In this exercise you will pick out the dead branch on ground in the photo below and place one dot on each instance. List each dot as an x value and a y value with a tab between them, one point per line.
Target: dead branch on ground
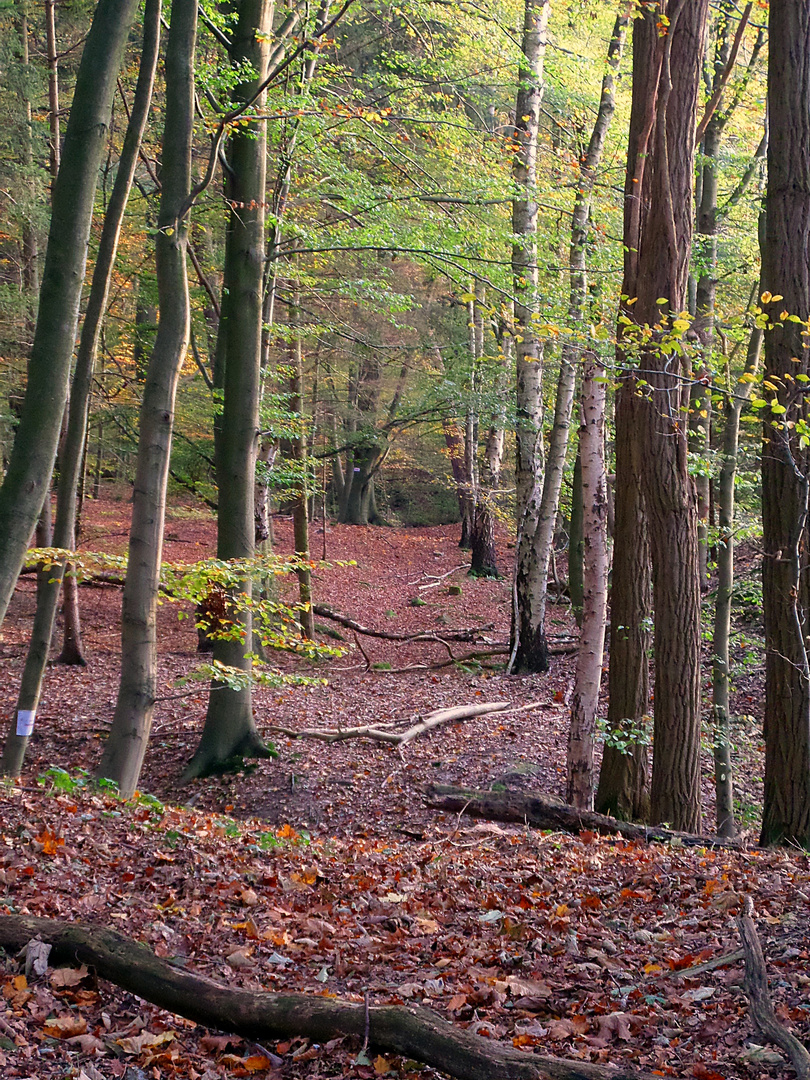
461	633
413	1032
756	990
380	733
546	812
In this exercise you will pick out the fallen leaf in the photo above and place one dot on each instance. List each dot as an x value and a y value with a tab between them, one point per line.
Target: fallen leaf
65	1027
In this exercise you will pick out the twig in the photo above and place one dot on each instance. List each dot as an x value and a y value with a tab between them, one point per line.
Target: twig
363	651
756	990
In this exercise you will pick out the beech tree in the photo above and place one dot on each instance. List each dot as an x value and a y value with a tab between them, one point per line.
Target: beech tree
129	733
28	476
71	454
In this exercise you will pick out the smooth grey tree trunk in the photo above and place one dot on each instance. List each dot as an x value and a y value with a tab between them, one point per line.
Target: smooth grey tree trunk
31	464
72	450
126	745
230	730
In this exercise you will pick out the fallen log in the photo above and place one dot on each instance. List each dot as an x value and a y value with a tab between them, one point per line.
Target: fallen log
755	986
380	732
547	812
413	1032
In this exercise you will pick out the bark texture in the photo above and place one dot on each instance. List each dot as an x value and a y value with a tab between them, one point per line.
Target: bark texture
785	586
29	472
658	232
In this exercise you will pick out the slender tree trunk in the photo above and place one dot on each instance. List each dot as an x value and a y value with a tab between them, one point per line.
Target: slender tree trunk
566	384
306	616
30	240
529	650
732	407
126	744
576	542
53	86
785	464
72	450
585	700
29	472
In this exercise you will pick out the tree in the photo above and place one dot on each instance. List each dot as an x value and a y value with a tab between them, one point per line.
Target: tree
29	471
667	51
529	651
230	730
129	733
71	454
785	460
585	698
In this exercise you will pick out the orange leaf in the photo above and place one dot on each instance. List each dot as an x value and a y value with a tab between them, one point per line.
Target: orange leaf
381	1066
65	1027
256	1062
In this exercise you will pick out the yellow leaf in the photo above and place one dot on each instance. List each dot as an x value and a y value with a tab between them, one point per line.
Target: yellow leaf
381	1066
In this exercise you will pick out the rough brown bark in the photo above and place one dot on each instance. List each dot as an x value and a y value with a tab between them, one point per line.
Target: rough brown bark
410	1031
785	465
546	812
624	775
663	228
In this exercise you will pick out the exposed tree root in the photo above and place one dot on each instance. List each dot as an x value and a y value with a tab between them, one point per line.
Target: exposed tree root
546	812
756	990
412	1032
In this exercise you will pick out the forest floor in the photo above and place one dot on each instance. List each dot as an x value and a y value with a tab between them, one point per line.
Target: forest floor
324	871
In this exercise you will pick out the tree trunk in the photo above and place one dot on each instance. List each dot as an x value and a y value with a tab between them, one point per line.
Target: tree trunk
126	744
230	730
785	464
585	700
306	617
558	440
663	195
53	87
29	471
624	775
548	812
738	392
71	454
576	542
529	647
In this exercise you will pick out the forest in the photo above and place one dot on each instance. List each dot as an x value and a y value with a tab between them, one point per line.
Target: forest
404	563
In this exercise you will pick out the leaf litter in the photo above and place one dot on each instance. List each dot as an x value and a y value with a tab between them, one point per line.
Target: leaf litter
323	871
